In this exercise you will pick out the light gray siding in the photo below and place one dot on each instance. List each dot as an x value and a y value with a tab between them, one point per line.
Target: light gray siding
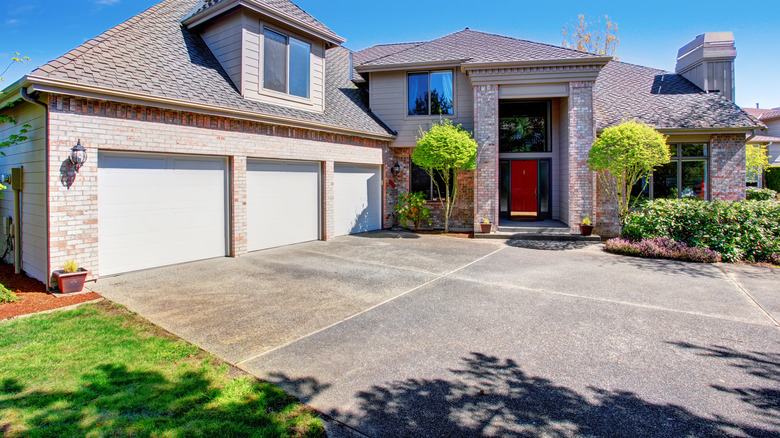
773	127
252	39
31	155
224	40
388	101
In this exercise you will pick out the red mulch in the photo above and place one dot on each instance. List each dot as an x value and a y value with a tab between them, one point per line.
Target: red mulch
33	296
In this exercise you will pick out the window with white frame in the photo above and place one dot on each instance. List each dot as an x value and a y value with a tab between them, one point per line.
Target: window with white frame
286	64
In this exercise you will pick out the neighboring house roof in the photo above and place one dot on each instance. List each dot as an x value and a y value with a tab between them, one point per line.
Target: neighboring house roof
662	99
285	8
764	139
763	114
473	47
152	54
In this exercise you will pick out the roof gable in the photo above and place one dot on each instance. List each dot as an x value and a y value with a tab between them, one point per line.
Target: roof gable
152	55
283	8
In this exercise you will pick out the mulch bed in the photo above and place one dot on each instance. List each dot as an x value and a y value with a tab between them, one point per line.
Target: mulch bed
461	235
33	296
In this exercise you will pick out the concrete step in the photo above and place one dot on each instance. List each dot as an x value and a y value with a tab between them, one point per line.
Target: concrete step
549	234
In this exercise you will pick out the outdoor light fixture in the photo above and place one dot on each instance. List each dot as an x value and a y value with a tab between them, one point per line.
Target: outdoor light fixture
396	169
78	155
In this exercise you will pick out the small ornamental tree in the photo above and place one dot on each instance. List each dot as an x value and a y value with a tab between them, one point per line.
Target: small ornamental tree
443	151
756	161
624	155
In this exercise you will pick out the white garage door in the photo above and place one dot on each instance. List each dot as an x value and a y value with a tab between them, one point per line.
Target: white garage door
156	210
283	203
358	203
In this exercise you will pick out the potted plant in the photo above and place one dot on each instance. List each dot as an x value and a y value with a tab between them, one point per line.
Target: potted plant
586	227
71	277
486	226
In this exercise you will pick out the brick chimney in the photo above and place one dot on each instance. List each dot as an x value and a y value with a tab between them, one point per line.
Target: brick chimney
708	62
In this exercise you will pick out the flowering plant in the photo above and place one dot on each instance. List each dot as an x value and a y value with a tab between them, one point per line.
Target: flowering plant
485	220
411	209
586	221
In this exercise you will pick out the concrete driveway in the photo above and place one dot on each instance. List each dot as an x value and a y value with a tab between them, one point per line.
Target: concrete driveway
392	334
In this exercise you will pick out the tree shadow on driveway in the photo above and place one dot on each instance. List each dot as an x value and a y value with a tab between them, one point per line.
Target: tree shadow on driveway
494	397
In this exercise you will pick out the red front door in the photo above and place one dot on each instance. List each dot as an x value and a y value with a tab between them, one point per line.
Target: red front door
525	182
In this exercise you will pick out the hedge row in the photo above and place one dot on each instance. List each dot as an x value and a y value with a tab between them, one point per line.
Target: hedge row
773	178
738	231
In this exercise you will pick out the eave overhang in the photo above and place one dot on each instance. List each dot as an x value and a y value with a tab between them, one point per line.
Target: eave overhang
535	72
56	86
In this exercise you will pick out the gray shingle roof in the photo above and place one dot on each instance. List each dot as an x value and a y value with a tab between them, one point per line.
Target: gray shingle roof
663	99
284	8
763	114
473	47
153	54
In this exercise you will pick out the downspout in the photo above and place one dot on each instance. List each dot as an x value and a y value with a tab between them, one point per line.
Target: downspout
27	98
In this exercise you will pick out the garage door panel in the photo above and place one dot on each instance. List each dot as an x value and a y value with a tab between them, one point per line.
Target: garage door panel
358	198
283	203
159	210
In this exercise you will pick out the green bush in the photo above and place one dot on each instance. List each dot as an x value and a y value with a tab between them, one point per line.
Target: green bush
743	230
754	194
773	178
6	296
411	210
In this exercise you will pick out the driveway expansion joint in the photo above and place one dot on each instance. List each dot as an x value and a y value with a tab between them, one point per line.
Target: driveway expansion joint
308	335
747	294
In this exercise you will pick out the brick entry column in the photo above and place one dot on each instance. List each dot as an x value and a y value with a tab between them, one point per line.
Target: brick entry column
728	167
582	133
328	200
486	134
238	224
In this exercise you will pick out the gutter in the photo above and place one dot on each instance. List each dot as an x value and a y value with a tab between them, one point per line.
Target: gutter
27	98
96	92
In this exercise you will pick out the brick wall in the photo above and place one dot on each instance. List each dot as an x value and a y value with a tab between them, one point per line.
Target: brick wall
582	133
462	212
727	167
605	220
486	134
102	125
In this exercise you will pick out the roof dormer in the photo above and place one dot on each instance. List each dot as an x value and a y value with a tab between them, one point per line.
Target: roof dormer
273	51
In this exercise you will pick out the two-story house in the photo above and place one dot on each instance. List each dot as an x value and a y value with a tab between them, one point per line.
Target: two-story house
215	128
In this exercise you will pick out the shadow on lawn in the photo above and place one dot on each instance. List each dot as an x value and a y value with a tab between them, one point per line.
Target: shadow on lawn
111	400
493	397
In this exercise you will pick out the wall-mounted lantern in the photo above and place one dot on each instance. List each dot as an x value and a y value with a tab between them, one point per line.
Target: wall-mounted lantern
396	169
78	155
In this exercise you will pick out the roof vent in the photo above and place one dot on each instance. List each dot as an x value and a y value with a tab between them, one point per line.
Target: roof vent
708	62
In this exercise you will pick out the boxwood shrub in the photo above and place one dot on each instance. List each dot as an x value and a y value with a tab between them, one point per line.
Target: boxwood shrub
754	194
742	230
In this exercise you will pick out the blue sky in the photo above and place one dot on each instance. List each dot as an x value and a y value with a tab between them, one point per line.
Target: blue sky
650	32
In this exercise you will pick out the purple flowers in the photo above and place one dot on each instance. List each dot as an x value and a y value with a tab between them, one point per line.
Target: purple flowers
662	248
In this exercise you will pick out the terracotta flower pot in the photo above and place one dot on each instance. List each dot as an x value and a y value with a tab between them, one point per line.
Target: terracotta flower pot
486	228
69	282
586	230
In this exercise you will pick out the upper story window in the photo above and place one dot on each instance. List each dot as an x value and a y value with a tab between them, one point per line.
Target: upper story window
286	64
430	93
524	126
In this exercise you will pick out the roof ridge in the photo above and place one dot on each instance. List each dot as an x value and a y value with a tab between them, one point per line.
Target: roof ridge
528	41
645	67
95	41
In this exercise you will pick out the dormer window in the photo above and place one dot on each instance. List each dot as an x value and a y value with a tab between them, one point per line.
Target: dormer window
286	64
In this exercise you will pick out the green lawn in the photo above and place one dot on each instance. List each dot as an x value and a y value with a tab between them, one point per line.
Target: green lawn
101	371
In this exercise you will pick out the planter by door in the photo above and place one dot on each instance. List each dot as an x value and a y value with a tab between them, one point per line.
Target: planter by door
586	230
486	228
71	282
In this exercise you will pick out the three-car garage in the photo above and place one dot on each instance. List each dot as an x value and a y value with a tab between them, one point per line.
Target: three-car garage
162	209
